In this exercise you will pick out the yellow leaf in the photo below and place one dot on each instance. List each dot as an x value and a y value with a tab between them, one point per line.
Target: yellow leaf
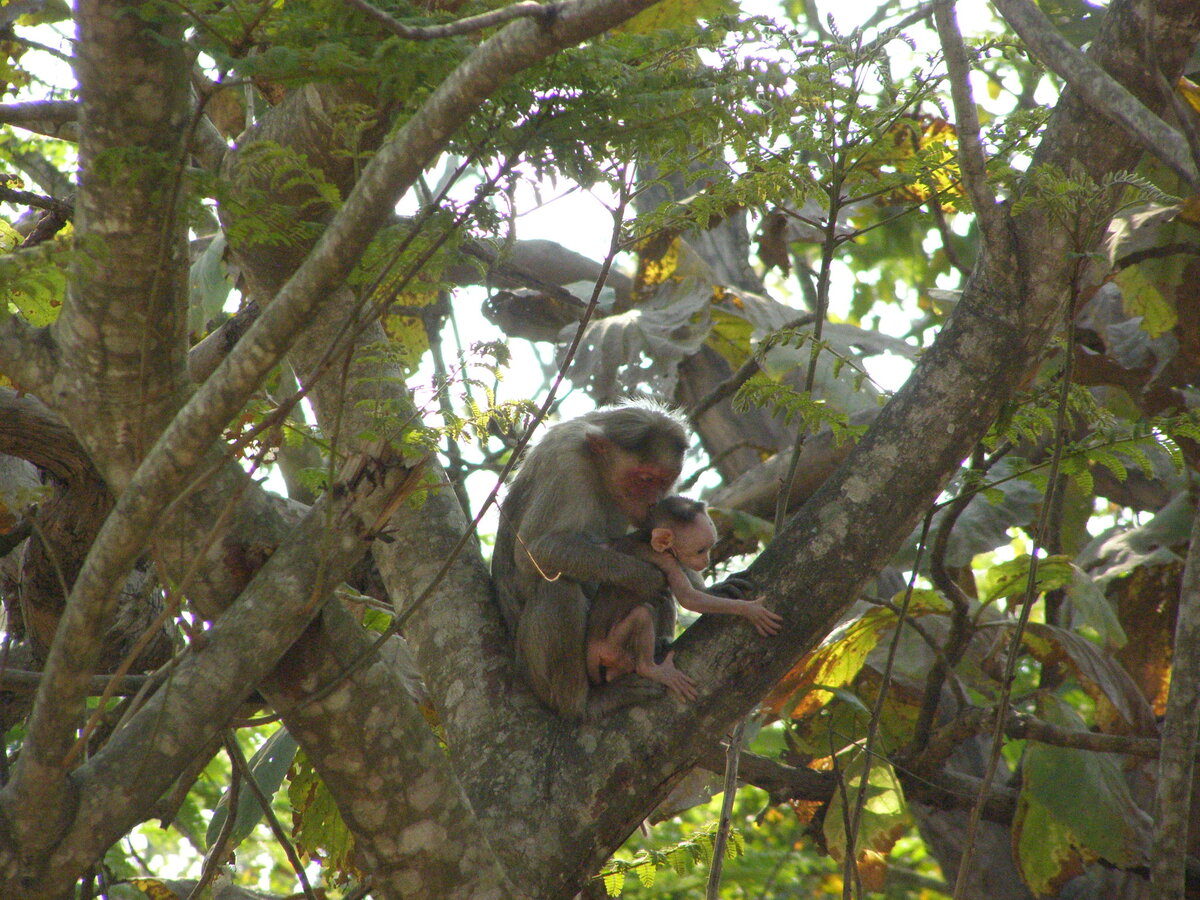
1189	210
154	889
1190	91
1141	297
9	237
675	14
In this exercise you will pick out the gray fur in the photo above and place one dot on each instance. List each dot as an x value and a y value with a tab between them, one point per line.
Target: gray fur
557	504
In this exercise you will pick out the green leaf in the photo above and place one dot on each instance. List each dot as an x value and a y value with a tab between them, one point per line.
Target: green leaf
1141	297
318	828
1011	578
1094	610
267	767
1075	806
884	815
10	238
1101	676
645	874
614	883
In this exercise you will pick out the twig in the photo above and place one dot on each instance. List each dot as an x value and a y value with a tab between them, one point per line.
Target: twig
523	10
1014	649
1098	89
745	372
39	201
1019	725
960	622
943	227
220	846
924	11
238	759
722	839
864	783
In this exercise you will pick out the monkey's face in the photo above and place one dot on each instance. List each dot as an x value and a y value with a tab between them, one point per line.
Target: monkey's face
692	543
639	485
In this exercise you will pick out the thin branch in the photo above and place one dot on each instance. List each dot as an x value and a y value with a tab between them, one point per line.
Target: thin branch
885	683
38	201
53	118
745	372
238	760
971	158
1098	89
960	622
1172	806
1021	726
1031	593
889	34
730	790
523	10
220	847
24	681
781	781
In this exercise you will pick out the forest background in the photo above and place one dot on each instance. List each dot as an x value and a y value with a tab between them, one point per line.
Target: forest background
251	419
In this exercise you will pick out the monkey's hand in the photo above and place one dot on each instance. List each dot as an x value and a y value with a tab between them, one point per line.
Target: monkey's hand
765	621
666	674
737	587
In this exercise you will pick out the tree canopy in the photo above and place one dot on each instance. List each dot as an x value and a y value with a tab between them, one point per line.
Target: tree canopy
279	320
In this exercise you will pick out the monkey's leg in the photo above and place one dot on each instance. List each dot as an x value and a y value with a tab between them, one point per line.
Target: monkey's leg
551	647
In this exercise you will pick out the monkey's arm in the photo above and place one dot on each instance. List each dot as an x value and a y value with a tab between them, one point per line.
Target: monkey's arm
690	597
580	558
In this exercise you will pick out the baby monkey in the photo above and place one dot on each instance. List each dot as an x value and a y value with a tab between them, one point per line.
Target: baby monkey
678	534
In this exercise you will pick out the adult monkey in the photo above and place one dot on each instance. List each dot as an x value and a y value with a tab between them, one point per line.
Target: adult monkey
577	490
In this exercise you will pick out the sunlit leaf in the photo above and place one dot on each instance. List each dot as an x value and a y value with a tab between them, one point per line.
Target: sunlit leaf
1074	806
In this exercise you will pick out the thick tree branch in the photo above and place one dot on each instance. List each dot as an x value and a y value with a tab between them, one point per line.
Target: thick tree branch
1099	89
37	201
852	525
134	215
1172	805
29	430
239	650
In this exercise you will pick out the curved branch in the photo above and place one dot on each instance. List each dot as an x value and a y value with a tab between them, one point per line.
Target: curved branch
970	154
31	431
1101	91
522	10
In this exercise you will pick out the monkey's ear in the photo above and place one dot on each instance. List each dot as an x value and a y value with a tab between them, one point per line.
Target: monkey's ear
597	442
661	539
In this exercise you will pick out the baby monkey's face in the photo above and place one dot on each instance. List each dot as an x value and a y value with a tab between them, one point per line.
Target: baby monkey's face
693	543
